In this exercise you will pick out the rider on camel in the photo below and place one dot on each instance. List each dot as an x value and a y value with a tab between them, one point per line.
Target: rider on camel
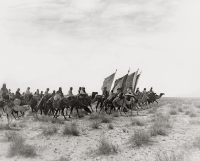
118	97
4	92
104	95
60	92
70	92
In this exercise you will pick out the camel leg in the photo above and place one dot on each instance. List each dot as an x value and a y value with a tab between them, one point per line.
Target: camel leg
97	105
77	112
71	111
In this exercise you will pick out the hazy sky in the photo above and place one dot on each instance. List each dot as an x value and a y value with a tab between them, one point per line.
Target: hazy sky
63	43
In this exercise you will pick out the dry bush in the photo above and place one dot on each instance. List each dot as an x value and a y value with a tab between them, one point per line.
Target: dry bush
110	126
140	137
95	125
2	127
138	122
106	148
194	121
50	130
94	117
171	156
10	135
42	118
115	114
152	110
71	130
192	114
196	142
14	124
106	119
187	112
57	121
18	147
63	159
180	109
161	125
173	111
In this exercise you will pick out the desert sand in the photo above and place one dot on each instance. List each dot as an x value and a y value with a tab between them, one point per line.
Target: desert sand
182	138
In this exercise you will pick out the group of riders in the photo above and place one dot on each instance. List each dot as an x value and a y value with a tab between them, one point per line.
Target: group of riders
56	98
7	95
114	98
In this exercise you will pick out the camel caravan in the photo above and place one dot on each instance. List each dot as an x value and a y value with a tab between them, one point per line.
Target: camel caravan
124	97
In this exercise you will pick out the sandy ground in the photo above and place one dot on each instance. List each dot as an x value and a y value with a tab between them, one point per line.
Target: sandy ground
180	137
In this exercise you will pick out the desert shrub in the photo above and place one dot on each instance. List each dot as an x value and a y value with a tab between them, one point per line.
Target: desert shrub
13	124
152	110
187	112
161	125
194	121
138	122
173	111
107	148
140	137
171	156
95	125
125	130
196	142
50	130
63	159
94	117
57	121
106	119
180	109
192	114
18	147
10	135
110	126
2	127
71	129
197	105
115	114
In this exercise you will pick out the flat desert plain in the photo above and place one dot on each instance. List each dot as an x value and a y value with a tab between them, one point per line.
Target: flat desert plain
169	131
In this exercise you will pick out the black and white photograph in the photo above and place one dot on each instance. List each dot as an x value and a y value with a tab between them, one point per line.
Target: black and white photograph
99	80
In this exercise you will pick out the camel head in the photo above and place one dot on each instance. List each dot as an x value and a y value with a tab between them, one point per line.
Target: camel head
162	94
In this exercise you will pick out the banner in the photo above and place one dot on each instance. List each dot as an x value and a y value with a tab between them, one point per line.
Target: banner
134	81
108	82
120	83
138	76
129	82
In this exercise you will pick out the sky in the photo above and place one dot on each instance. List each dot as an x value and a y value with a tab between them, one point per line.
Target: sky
71	43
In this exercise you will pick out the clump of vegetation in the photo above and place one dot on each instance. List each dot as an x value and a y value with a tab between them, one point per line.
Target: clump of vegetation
180	109
50	130
196	142
94	117
107	148
18	147
152	110
140	137
187	112
115	114
11	135
95	125
192	114
110	126
173	111
2	127
137	122
106	119
63	159
57	121
71	129
161	125
171	156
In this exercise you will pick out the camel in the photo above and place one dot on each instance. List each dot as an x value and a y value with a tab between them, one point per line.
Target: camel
123	102
153	97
